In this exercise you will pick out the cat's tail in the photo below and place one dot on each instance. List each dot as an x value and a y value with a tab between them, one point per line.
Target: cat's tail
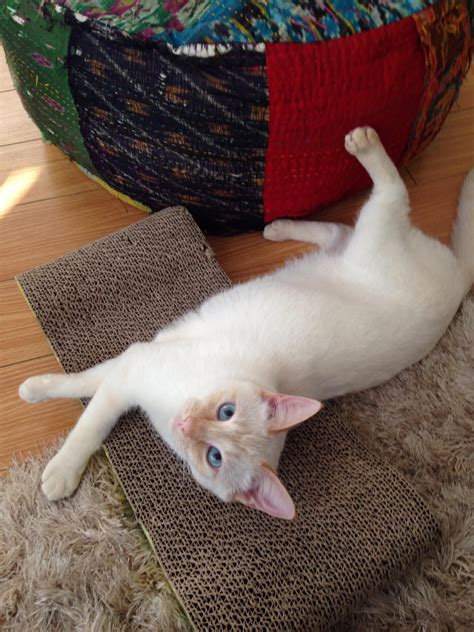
462	239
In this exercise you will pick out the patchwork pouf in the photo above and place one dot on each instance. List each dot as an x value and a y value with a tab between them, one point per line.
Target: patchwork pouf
235	108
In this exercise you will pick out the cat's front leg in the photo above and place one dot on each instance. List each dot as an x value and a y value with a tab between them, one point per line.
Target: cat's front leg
40	388
62	474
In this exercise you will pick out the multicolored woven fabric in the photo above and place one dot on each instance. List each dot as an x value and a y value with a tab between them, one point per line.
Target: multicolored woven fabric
223	21
245	121
199	129
446	39
36	47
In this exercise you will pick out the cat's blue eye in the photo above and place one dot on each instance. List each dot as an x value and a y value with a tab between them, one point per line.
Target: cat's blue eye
214	457
225	412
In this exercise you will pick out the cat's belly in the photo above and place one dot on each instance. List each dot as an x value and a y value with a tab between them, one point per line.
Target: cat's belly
356	345
331	335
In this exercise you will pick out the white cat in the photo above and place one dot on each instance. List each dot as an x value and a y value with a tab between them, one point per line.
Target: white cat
370	302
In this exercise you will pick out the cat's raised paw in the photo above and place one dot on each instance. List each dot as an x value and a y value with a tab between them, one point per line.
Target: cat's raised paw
60	478
279	230
361	139
35	389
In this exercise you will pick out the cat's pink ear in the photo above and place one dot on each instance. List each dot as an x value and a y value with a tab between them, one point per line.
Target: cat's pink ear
287	411
268	494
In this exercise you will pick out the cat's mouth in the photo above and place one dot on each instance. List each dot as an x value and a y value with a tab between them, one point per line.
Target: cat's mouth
180	425
180	430
175	425
178	438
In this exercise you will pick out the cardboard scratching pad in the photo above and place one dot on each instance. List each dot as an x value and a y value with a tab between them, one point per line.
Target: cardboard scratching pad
358	521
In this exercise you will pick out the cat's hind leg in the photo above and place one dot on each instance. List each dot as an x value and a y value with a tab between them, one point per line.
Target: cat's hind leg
364	143
326	235
386	212
387	248
57	385
386	207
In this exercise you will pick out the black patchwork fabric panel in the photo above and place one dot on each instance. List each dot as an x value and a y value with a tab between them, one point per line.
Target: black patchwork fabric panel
171	129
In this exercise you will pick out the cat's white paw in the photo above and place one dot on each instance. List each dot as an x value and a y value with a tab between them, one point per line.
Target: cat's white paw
60	477
361	139
35	389
279	230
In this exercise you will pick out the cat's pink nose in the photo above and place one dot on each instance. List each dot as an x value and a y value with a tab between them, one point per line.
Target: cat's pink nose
185	425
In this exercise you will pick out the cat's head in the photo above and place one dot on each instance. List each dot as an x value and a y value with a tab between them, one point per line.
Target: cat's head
230	438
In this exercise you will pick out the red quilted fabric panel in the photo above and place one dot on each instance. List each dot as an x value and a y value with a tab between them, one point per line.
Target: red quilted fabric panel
319	92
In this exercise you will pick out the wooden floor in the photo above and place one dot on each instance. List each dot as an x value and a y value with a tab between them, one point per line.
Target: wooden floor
48	207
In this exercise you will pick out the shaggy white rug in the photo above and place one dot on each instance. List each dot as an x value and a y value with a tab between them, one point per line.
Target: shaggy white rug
84	564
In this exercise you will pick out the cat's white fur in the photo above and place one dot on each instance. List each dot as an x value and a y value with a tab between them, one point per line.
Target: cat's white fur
370	302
